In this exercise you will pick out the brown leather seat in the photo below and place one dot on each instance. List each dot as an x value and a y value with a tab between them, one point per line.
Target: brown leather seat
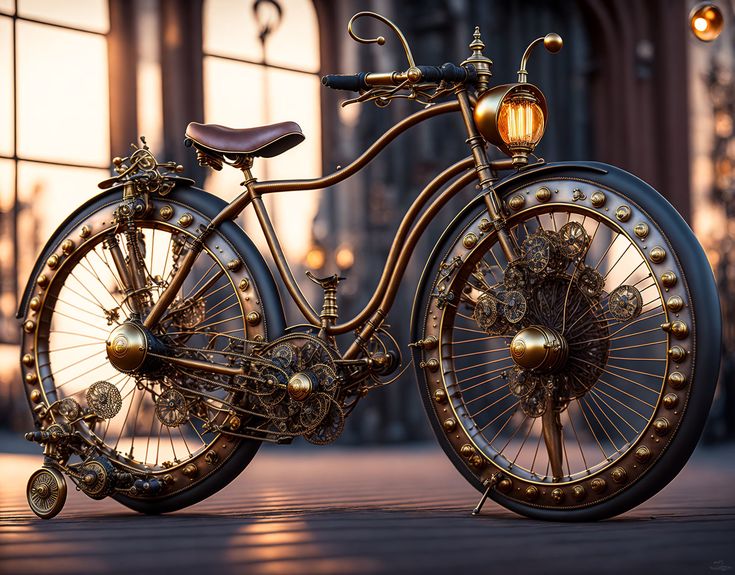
264	141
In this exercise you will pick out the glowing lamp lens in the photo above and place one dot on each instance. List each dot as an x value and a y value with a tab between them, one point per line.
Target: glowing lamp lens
706	21
521	122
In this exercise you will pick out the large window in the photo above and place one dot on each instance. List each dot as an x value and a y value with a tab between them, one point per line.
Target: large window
54	128
261	66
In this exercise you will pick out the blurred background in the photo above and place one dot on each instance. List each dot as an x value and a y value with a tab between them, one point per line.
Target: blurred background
82	79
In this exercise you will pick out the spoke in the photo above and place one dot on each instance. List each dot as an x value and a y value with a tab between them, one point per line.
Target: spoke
602	381
579	443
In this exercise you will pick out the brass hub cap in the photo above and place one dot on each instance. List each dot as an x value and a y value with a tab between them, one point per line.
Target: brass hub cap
539	348
301	385
127	347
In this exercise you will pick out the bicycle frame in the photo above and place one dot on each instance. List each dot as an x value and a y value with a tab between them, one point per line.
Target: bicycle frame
409	232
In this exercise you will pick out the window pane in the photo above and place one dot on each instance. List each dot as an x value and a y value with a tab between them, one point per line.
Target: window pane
7	188
87	14
63	98
233	93
6	6
6	87
295	42
8	326
230	29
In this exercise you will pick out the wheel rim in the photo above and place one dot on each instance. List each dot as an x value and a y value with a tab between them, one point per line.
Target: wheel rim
612	428
158	425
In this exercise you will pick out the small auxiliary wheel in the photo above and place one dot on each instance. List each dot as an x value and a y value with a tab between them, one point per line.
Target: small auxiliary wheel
574	380
46	492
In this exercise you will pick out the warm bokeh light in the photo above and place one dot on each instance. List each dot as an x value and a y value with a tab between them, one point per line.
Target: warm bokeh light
706	22
345	257
315	258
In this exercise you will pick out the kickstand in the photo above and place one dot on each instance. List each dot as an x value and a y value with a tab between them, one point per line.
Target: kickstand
489	484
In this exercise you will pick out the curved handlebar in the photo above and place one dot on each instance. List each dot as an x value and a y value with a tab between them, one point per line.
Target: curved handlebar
414	75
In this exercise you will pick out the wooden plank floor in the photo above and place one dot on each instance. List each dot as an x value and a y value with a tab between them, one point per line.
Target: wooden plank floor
349	510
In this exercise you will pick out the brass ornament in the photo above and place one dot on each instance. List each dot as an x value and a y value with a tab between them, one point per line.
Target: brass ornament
432	364
469	241
517	202
449	424
677	380
185	220
35	303
623	213
679	329
485	225
46	492
104	399
171	408
190	470
505	485
670	400
67	246
578	492
35	396
85	232
467	450
675	303
532	493
31	377
598	485
440	396
29	326
661	426
598	199
53	261
28	360
477	461
642	454
244	284
167	212
641	230
657	254
234	265
668	279
619	475
253	318
543	194
625	303
557	495
677	353
42	281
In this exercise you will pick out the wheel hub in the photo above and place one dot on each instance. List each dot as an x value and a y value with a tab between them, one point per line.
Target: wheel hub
539	348
127	347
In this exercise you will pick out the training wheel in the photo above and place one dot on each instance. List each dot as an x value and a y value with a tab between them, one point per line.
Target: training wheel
46	492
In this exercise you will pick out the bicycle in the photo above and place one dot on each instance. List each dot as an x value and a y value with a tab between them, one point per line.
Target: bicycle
565	332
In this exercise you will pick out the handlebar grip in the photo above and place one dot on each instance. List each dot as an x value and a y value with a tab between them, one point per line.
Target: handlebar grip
448	72
351	82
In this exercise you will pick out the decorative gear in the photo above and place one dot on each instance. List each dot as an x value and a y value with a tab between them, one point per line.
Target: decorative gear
330	427
534	404
514	306
190	314
283	356
69	409
326	375
486	311
521	382
171	408
313	410
96	478
46	492
104	399
573	240
538	251
625	303
590	281
514	277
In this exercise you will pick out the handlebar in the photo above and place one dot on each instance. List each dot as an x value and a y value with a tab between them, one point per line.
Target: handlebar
414	75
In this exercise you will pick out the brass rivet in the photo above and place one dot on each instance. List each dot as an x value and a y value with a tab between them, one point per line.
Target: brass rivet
85	232
677	380
532	492
671	400
623	213
677	353
679	329
440	396
675	303
42	280
642	454
31	377
578	492
641	230
190	470
477	461
543	194
466	450
517	202
67	246
28	360
485	225
469	240
253	318
167	479
505	485
258	337
557	495
35	303
166	212
234	422
244	284
661	426
185	220
35	396
668	279
658	254
234	265
432	364
598	485
619	475
211	457
52	261
449	424
598	199
29	326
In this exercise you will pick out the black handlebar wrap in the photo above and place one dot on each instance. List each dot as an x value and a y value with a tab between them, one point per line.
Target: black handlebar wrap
446	72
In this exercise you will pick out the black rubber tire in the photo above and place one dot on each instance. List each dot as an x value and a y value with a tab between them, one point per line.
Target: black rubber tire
207	205
704	299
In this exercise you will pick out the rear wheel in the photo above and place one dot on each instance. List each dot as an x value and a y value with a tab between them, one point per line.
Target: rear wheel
166	426
568	375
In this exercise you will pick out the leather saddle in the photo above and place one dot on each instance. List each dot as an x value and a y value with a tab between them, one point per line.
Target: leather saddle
215	143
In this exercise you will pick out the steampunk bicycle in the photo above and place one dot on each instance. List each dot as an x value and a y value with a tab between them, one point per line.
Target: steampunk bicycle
565	332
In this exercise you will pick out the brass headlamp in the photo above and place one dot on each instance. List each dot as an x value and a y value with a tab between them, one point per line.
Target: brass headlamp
513	116
706	21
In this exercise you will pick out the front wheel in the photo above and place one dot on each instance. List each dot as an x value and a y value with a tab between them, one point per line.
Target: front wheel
575	376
